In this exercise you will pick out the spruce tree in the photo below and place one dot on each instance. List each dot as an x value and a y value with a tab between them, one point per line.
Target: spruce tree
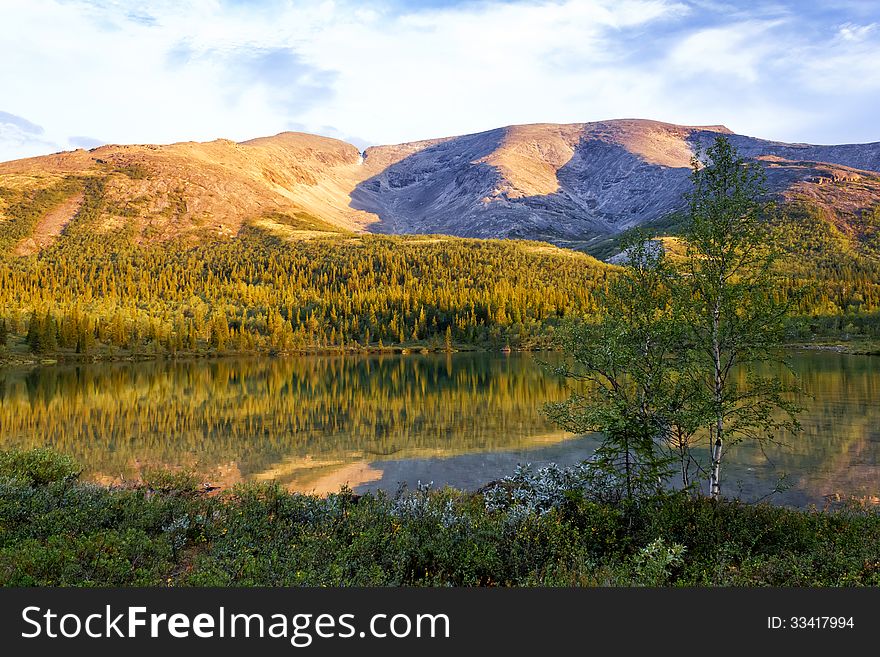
33	337
48	334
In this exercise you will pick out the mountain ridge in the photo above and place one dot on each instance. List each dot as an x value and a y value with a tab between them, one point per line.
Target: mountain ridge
568	184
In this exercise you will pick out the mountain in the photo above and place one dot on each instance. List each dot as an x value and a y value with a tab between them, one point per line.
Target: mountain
540	181
289	181
574	184
578	182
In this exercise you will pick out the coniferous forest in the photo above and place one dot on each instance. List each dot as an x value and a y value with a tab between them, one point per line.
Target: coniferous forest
98	294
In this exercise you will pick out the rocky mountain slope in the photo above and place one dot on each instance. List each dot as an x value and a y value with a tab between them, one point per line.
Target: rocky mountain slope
567	184
577	182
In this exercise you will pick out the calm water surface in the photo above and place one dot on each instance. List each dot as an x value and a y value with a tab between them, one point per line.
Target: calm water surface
315	423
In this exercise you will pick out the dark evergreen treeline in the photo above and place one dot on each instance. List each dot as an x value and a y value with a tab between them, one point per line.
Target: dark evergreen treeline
259	294
832	263
838	270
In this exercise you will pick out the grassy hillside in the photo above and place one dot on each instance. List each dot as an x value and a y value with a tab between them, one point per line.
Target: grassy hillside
193	190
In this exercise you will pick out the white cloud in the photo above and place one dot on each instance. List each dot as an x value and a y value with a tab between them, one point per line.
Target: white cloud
740	50
166	71
382	76
459	70
847	64
853	32
16	142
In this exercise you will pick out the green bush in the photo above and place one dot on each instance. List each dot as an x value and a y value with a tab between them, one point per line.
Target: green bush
171	480
38	467
58	531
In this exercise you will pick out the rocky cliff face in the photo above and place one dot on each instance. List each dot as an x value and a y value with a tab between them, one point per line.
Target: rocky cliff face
571	182
559	183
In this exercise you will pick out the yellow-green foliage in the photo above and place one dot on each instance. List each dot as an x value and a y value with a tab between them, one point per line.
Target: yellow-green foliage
260	292
259	412
257	292
300	221
840	270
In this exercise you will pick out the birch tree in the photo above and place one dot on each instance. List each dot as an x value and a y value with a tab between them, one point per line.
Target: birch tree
726	300
620	365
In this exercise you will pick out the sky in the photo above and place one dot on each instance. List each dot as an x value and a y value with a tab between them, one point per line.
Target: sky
80	73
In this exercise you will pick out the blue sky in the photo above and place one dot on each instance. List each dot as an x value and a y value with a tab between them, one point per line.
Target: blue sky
77	73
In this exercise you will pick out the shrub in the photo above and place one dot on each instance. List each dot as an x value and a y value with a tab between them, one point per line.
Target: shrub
38	467
538	528
652	565
538	491
169	480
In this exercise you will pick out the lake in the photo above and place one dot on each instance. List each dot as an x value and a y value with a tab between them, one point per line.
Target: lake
314	423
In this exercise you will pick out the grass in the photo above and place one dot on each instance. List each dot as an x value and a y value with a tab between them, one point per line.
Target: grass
58	531
25	209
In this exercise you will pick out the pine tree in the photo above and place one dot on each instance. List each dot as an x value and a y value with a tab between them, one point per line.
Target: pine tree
85	338
219	331
49	333
34	334
67	331
118	332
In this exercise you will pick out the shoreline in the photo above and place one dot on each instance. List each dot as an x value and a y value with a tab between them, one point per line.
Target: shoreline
17	362
59	531
860	347
863	347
